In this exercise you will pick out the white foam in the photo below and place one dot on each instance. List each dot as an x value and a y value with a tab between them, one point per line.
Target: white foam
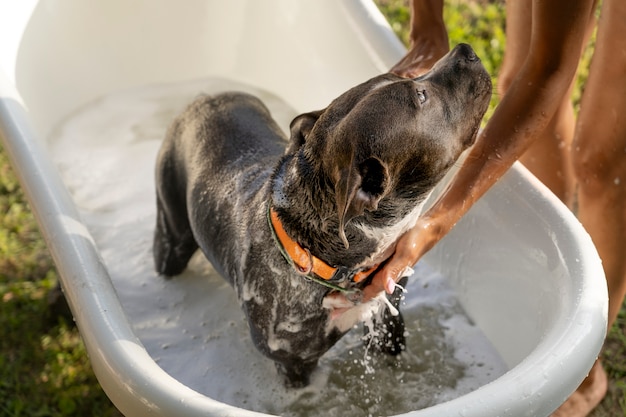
192	324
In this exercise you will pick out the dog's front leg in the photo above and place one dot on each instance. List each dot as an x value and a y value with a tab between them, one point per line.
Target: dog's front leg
387	334
296	374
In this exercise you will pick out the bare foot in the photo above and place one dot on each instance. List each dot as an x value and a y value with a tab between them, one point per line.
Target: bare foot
587	396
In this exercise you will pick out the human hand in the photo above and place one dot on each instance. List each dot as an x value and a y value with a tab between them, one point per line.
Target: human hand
411	246
421	56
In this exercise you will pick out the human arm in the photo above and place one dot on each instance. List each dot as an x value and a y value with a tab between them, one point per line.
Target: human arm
557	34
428	39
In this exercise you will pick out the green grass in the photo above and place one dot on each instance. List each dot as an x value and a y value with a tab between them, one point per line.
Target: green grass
44	368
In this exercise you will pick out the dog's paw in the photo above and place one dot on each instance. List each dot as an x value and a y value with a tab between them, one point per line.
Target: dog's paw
166	260
296	374
171	255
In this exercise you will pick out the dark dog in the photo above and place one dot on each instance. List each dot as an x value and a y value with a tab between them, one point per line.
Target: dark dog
287	228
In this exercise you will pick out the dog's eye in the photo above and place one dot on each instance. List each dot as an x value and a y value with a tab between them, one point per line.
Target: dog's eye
421	96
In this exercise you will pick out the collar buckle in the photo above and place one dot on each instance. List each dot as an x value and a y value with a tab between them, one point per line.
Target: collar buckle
342	274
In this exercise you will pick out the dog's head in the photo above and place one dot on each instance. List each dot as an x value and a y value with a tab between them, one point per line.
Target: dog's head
393	138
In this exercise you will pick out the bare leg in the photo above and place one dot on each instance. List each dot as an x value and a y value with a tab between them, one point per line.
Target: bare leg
587	396
599	151
548	158
598	154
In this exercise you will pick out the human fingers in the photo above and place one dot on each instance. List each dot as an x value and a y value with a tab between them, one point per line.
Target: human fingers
395	268
420	57
411	65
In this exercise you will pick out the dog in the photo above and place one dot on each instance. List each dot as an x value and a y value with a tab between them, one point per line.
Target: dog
291	222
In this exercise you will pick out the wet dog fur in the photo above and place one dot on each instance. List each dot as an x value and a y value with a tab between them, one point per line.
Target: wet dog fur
346	184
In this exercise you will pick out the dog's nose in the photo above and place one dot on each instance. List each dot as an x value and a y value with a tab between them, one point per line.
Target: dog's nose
466	51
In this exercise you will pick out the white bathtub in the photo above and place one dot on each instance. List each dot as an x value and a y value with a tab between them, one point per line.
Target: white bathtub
520	264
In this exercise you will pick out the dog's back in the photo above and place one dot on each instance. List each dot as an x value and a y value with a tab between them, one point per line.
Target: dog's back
226	131
230	143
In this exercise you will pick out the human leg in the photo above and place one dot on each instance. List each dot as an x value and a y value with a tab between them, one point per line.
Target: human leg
599	152
599	156
548	157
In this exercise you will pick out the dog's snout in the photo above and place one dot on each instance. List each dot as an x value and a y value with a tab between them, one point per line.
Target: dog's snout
466	52
461	57
472	56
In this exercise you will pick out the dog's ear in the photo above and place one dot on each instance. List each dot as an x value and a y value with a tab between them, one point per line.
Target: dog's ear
300	128
359	188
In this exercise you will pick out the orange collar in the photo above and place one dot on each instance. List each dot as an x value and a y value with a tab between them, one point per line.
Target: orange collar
306	263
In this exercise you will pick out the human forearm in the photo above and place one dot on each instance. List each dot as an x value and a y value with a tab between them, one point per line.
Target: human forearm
426	17
530	102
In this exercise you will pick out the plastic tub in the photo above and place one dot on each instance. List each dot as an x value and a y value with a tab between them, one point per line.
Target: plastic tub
521	266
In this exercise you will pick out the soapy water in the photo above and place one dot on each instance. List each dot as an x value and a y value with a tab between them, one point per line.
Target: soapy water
192	324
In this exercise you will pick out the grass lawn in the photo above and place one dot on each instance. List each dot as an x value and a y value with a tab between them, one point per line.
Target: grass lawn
44	369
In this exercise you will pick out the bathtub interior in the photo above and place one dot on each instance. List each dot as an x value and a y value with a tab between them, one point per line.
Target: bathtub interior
110	46
519	262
